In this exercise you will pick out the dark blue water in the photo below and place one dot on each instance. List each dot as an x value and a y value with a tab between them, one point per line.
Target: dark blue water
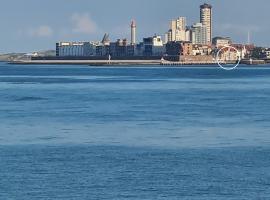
77	132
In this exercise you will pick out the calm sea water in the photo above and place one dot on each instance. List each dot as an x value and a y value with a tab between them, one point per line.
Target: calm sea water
79	132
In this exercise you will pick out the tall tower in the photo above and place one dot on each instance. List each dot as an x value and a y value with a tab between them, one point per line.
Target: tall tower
199	33
206	20
173	27
178	28
133	32
181	23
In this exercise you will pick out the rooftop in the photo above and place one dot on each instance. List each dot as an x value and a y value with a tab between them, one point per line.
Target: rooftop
205	5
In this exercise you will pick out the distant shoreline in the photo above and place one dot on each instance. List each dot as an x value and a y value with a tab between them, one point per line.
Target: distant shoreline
87	62
123	63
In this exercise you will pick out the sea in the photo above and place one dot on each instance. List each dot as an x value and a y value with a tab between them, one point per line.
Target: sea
134	132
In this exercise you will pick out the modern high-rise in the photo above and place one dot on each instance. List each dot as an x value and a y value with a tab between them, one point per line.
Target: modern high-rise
181	23
177	29
173	30
199	34
180	35
133	32
206	20
166	38
188	34
169	36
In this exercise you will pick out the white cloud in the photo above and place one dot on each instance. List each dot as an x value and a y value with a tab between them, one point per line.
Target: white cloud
41	31
82	23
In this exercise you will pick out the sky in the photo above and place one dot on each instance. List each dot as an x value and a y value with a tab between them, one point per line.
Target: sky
34	25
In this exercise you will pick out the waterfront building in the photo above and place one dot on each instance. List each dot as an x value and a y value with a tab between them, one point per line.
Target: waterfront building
139	49
157	41
206	20
267	53
201	50
131	50
102	50
221	41
199	34
133	32
153	46
148	46
75	49
173	48
244	50
118	48
177	48
187	48
229	54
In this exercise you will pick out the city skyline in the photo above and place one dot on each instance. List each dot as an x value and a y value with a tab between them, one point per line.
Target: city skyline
35	30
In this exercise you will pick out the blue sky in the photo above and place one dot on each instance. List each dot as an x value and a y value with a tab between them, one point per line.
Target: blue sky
29	25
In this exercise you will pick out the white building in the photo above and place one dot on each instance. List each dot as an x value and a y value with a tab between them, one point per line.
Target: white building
206	20
181	23
221	41
267	53
188	35
157	41
158	47
177	30
229	54
172	30
180	35
199	34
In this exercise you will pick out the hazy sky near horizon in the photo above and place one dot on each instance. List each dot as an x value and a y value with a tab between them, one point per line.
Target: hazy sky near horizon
30	25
